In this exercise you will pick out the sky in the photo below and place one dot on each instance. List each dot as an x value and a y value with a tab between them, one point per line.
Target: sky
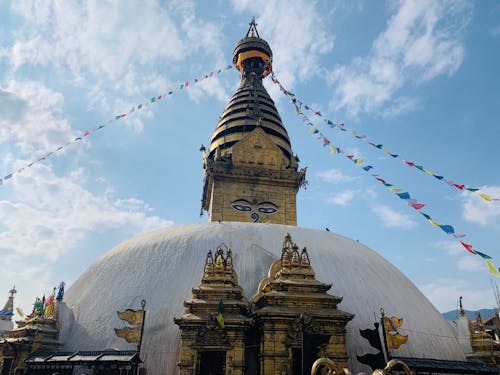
420	77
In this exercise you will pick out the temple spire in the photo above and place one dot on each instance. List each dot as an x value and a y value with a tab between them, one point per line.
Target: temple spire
252	30
8	310
251	174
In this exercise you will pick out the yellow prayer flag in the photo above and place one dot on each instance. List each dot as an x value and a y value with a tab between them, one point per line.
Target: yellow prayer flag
132	335
485	197
110	121
433	223
429	172
20	312
492	268
387	151
333	150
396	190
360	161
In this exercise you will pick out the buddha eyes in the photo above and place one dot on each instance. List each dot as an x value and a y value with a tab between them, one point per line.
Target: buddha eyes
240	207
267	208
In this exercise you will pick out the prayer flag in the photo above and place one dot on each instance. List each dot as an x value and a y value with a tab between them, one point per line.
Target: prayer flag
433	223
220	311
447	228
396	190
468	247
404	195
410	163
483	255
332	149
367	168
486	197
417	206
491	268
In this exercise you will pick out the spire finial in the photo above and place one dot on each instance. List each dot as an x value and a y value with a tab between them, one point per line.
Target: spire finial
252	30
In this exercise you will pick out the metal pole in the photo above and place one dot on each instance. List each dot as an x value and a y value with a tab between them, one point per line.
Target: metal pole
382	316
302	344
143	305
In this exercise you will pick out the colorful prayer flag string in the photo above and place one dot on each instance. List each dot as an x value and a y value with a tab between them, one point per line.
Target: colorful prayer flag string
401	193
299	105
86	133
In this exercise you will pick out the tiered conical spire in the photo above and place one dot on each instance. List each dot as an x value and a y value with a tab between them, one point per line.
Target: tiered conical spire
251	174
251	105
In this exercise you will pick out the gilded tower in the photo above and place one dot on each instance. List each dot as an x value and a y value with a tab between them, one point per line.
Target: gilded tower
251	174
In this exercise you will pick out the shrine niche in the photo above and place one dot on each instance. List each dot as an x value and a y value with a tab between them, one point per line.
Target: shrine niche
299	321
213	326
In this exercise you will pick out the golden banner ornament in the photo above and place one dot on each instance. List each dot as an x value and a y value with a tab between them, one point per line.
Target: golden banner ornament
132	335
132	317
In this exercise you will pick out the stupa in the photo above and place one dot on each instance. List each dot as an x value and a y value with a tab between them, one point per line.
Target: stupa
277	297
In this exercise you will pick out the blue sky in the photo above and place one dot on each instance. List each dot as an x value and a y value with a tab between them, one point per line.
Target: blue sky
419	77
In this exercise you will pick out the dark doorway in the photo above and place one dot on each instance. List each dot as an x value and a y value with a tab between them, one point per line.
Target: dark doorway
212	363
7	364
312	344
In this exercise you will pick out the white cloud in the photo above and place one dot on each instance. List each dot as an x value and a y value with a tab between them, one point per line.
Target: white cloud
444	294
343	198
471	263
393	219
31	117
49	216
109	48
335	176
477	210
453	248
422	40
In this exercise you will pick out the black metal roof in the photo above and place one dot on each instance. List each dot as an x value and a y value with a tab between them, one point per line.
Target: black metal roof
445	366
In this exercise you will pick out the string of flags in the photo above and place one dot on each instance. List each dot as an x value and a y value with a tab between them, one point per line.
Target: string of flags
299	105
115	118
399	192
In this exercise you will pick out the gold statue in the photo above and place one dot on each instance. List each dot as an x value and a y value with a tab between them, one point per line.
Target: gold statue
326	364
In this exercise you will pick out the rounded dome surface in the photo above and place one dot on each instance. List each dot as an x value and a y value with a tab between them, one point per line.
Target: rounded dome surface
163	266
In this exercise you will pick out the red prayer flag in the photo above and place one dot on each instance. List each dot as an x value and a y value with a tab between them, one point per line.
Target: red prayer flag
461	187
417	206
350	156
86	133
468	247
410	163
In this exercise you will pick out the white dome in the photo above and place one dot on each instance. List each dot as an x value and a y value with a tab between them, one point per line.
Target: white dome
162	267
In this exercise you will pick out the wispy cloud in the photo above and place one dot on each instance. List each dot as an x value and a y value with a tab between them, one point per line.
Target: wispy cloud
393	219
471	263
335	176
50	215
422	40
444	294
31	117
477	210
343	198
108	48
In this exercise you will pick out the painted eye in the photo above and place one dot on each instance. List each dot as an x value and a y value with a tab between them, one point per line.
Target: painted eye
241	207
267	208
